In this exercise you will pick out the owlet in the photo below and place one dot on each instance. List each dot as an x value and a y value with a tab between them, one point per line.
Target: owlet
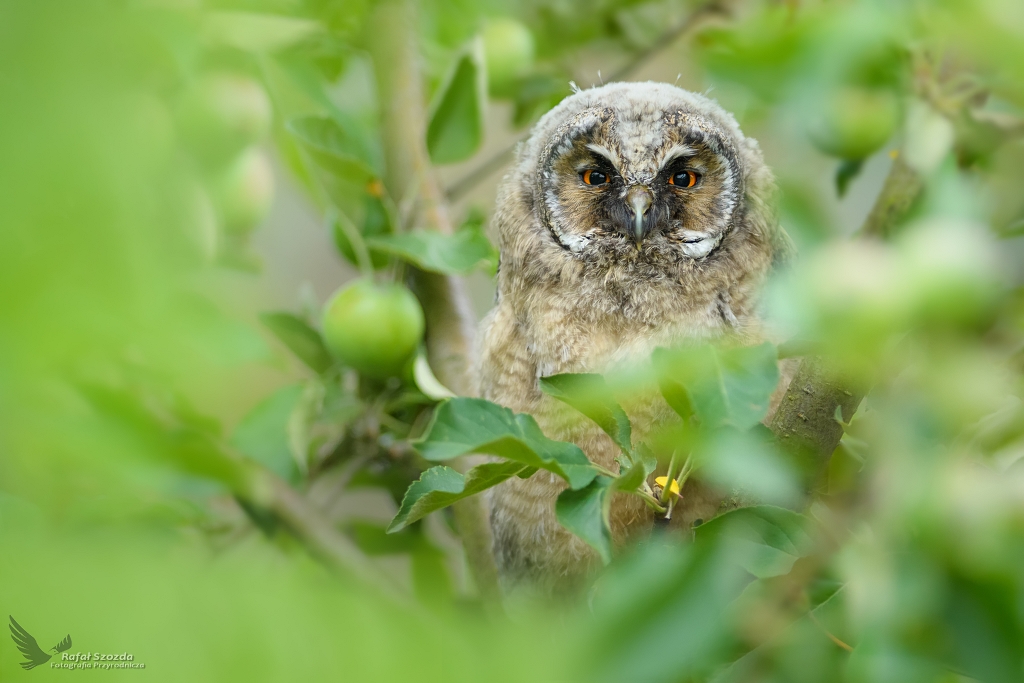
637	215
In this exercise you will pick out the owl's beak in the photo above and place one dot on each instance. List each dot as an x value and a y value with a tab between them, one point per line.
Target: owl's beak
640	198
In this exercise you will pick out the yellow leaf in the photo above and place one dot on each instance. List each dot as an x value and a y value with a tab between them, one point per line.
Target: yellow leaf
661	481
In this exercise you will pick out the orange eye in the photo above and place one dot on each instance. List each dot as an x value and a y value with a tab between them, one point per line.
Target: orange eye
684	179
594	177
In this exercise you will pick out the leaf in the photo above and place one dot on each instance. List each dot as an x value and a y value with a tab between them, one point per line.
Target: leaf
633	477
335	149
584	512
255	32
465	251
301	422
456	126
441	486
375	540
589	394
263	432
372	219
767	539
847	171
726	386
300	338
427	382
156	427
751	465
473	425
657	593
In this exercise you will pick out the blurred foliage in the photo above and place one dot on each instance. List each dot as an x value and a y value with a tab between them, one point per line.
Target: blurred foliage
136	137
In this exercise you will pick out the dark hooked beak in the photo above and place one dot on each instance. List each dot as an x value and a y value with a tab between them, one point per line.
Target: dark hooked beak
640	198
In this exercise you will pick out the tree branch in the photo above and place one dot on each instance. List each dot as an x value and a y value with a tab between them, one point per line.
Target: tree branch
901	188
336	550
410	176
805	420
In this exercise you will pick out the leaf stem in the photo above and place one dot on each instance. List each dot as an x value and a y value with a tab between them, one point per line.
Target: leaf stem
355	238
828	633
684	474
666	490
651	501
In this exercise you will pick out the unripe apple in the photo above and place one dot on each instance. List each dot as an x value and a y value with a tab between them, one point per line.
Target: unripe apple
372	328
509	51
244	191
855	121
221	114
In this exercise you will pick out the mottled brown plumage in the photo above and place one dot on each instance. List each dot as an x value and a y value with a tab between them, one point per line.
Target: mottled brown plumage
578	291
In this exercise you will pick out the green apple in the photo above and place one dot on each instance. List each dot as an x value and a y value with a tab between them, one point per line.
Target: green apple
221	113
508	51
244	191
373	328
854	122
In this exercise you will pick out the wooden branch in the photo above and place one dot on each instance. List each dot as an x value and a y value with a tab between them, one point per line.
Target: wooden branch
805	420
268	491
409	176
805	423
900	190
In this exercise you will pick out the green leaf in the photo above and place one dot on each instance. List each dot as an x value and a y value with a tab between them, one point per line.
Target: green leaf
302	420
255	32
426	381
374	540
767	539
300	338
158	428
263	432
589	394
371	216
847	171
335	149
465	251
653	595
644	463
472	425
634	476
584	512
751	465
441	486
726	386
456	126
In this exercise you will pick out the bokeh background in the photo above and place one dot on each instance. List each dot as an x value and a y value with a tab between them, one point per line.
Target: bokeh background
157	197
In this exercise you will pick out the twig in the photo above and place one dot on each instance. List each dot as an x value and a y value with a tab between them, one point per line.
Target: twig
828	633
463	185
900	190
805	420
334	548
449	315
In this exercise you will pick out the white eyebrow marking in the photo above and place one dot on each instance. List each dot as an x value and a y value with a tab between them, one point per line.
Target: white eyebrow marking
676	151
605	152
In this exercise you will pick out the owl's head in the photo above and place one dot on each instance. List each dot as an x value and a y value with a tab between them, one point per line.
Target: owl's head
641	177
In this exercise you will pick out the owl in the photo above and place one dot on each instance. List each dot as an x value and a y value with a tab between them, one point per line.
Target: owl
636	215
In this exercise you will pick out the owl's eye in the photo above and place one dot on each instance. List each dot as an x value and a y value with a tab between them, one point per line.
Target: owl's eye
684	179
594	177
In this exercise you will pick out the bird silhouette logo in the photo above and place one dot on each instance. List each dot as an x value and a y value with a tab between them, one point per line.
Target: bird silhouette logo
34	656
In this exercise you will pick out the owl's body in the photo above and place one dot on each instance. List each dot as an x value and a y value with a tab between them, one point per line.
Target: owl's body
671	243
